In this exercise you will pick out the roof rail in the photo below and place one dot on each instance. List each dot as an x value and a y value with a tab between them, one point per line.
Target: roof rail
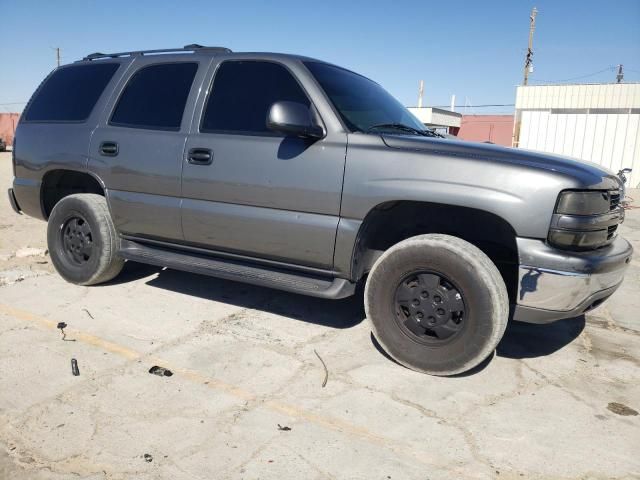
193	47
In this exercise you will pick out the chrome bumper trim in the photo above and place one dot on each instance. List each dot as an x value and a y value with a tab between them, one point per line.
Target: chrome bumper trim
559	281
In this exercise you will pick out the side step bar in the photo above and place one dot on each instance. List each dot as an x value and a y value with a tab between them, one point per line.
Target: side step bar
280	279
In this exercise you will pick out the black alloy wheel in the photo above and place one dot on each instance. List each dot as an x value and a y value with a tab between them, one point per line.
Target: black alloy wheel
429	308
77	240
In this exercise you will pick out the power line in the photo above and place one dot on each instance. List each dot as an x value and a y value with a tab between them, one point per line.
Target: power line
476	106
610	69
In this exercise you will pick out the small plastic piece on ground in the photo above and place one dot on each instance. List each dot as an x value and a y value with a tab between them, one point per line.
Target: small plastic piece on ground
621	409
147	458
284	429
74	367
160	371
62	326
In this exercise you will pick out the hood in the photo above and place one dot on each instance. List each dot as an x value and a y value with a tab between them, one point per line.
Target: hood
588	174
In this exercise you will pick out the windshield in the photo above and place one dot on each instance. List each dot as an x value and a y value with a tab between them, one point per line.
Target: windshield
362	103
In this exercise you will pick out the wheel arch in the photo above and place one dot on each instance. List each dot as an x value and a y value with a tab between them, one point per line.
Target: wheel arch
62	182
390	222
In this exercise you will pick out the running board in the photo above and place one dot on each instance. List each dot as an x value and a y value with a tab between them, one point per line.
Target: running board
280	279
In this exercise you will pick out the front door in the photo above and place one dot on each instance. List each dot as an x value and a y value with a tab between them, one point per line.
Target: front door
251	191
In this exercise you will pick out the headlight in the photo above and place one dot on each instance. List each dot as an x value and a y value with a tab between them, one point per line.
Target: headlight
583	203
585	220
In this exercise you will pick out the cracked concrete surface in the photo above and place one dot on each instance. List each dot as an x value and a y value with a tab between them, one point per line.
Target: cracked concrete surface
243	362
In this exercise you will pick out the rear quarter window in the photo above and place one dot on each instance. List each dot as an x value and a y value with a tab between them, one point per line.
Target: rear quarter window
70	93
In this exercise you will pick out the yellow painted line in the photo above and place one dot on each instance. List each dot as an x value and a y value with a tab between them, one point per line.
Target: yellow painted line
193	375
293	411
76	334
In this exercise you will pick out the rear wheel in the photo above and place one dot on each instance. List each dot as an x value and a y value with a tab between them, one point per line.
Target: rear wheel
82	240
437	304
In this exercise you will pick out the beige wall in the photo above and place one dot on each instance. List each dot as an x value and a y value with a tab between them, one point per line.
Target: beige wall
598	123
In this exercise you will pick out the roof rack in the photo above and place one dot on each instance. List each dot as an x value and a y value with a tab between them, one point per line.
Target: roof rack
193	47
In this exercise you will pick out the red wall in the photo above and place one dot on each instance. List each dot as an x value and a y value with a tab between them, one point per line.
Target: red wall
8	123
497	129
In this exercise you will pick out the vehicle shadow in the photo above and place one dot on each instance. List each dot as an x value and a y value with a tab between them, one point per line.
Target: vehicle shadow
521	340
345	313
528	340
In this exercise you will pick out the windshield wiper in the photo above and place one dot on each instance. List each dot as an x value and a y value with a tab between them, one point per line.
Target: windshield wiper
404	128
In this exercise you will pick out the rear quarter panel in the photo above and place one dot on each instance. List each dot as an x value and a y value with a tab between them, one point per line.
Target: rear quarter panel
45	146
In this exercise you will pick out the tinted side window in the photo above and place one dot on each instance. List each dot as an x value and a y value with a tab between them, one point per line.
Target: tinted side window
243	92
155	97
70	93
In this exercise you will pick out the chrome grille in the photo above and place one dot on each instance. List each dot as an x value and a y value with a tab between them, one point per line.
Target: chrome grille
614	199
614	203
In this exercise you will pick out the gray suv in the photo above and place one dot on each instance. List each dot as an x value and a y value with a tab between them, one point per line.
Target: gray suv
295	174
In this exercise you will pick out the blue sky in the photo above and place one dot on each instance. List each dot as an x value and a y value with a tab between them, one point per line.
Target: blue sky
474	49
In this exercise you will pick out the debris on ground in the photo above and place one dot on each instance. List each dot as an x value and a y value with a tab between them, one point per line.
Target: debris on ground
621	409
15	275
61	326
326	371
88	313
284	429
74	367
160	371
12	276
147	458
30	252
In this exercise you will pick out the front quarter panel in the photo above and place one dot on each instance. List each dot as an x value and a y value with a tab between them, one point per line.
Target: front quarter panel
522	196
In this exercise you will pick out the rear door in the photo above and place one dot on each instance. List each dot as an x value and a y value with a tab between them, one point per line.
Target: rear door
260	193
137	148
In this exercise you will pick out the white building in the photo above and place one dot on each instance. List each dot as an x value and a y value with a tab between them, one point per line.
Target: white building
443	121
597	122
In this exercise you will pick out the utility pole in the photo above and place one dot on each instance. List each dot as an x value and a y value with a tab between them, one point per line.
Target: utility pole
528	63
420	93
620	75
57	49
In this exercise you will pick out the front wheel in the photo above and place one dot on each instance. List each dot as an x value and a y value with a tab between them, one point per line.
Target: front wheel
82	240
437	304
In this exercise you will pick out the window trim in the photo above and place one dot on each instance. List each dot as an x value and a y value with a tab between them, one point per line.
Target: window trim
23	116
246	133
111	123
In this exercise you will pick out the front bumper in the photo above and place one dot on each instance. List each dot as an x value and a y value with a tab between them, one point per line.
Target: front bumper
554	284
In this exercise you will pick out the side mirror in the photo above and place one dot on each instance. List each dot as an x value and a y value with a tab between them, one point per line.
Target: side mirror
293	118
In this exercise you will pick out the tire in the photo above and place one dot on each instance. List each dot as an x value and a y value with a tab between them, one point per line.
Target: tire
413	331
83	242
